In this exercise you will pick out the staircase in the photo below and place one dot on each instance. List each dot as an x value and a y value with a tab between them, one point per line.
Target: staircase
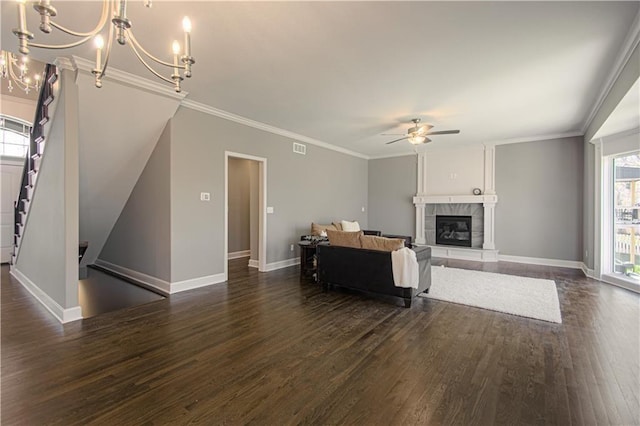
34	158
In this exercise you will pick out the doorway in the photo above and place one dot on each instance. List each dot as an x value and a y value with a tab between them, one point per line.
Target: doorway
245	210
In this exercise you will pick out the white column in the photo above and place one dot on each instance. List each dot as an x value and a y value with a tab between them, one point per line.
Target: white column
489	226
421	185
489	169
420	239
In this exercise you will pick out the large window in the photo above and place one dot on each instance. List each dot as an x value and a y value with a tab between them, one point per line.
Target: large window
14	137
626	215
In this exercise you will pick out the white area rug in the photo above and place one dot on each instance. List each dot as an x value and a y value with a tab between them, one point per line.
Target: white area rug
522	296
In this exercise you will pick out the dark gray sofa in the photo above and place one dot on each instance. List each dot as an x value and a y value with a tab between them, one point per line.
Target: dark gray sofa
369	271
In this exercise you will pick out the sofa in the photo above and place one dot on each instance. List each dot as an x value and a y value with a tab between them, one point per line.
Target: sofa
369	271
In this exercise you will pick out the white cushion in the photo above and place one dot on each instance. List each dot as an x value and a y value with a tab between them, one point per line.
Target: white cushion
350	226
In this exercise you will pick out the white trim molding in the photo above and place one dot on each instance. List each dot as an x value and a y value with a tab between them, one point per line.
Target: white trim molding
465	253
282	264
536	138
161	285
253	263
178	286
123	77
620	282
239	254
590	273
188	103
573	264
164	287
262	209
630	43
64	315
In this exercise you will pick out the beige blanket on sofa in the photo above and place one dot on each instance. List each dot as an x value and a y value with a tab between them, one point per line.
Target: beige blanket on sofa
405	268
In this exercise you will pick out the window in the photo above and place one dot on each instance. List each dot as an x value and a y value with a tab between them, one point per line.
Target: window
626	215
14	137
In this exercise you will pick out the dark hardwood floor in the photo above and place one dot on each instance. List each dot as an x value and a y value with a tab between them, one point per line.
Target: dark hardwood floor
270	349
101	292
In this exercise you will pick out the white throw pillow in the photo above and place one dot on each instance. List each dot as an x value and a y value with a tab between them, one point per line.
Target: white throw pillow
350	226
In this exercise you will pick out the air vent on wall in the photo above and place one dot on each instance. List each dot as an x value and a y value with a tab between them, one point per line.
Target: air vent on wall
298	148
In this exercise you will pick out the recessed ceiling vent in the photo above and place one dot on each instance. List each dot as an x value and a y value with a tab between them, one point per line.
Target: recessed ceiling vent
298	148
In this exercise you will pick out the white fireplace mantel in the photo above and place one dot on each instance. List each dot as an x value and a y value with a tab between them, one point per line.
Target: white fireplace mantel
488	199
454	199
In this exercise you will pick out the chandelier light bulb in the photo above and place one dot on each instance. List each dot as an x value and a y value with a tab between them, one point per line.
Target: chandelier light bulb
113	17
99	42
186	24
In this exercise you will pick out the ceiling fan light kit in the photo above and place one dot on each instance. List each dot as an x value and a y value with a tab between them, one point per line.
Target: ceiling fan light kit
120	31
417	135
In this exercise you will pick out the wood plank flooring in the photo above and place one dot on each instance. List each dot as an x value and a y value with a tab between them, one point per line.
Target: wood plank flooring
269	349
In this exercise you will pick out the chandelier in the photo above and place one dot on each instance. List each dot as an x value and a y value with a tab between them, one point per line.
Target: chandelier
120	31
19	78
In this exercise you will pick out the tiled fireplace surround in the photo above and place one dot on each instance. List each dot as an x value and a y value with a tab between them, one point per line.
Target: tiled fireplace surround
481	208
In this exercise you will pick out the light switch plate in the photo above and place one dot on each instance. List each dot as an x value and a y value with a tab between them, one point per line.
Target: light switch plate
270	210
205	196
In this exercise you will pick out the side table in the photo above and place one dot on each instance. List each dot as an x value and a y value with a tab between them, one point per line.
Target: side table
307	258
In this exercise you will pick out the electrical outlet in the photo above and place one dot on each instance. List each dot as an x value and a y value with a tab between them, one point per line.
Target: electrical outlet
291	247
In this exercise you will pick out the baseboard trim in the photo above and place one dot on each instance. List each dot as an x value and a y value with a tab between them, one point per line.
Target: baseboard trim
164	287
282	264
190	284
589	273
573	264
239	254
158	284
618	282
253	263
64	315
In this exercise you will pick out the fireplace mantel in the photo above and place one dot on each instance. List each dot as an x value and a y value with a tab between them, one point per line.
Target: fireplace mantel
483	163
454	199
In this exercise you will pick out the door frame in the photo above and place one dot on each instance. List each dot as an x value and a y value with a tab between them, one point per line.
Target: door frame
262	209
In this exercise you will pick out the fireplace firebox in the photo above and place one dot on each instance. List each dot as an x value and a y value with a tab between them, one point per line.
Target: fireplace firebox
453	230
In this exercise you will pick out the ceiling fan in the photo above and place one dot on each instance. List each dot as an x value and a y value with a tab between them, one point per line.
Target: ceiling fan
418	134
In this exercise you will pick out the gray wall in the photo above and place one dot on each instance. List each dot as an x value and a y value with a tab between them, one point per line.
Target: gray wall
141	238
540	206
239	204
48	254
321	186
392	185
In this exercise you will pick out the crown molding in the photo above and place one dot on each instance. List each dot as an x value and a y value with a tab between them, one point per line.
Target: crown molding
382	157
536	138
632	40
123	77
65	63
188	103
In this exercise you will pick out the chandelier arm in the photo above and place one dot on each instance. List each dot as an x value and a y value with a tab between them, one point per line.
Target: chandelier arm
96	30
108	54
61	46
147	66
22	85
149	55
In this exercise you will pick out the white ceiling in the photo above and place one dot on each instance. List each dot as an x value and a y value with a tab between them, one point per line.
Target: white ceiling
344	72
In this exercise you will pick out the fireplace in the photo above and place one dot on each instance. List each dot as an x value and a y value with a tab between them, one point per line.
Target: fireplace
453	230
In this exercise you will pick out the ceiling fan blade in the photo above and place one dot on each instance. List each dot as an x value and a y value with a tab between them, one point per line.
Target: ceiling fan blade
401	139
392	134
444	132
